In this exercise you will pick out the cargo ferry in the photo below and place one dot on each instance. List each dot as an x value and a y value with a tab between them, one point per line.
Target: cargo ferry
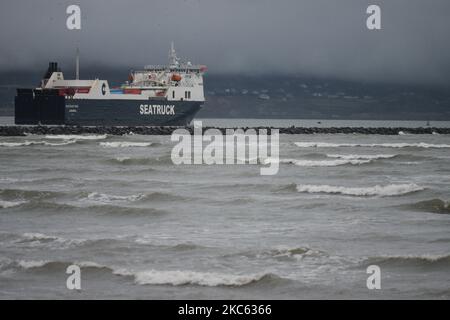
166	95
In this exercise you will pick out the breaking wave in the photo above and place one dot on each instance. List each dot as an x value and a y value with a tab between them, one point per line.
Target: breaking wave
149	277
34	236
125	144
433	205
140	161
154	196
292	252
383	191
40	238
318	163
369	145
30	264
113	208
51	265
409	260
178	278
361	156
76	137
10	204
30	143
43	240
280	253
108	198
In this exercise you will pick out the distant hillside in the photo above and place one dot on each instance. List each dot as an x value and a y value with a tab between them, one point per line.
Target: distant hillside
238	96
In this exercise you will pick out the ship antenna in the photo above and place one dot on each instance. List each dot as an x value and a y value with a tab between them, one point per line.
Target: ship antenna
77	65
173	59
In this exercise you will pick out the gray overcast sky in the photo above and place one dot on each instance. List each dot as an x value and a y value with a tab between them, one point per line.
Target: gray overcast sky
312	37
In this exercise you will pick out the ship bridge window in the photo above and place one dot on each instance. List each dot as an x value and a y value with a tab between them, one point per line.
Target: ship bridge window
187	94
173	94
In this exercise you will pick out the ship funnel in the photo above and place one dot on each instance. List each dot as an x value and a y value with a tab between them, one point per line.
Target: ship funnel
52	67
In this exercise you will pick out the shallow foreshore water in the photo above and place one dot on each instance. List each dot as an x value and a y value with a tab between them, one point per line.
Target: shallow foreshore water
26	130
141	227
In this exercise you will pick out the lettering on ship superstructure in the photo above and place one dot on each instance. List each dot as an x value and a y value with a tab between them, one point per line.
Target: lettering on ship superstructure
157	109
72	108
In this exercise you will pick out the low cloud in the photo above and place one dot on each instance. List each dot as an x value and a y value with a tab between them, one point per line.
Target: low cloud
323	38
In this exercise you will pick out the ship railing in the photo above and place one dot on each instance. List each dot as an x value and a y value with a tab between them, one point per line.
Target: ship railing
196	68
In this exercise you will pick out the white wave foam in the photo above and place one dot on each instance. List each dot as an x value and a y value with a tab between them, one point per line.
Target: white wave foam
89	264
58	144
123	159
32	263
108	198
40	239
155	277
9	180
412	259
10	204
369	145
30	143
291	252
361	156
35	236
15	144
76	137
383	191
317	163
177	278
124	144
14	180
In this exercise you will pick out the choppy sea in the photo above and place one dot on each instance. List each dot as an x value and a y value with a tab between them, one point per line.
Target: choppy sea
141	227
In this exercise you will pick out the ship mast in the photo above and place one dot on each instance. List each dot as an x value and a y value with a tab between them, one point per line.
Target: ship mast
77	65
173	59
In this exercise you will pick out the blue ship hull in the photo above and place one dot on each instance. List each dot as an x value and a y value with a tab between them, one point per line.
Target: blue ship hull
48	107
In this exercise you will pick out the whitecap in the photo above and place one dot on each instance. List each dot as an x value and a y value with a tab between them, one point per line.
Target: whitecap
361	156
123	159
177	278
76	137
383	191
317	163
108	198
124	144
35	236
32	263
34	239
30	143
10	204
370	145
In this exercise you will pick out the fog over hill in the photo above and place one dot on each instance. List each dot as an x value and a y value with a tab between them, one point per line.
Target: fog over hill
282	96
314	38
